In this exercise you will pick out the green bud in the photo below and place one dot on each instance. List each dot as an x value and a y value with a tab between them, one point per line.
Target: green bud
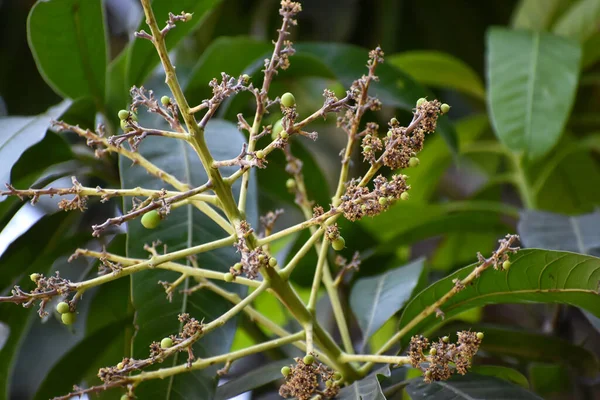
480	335
34	277
261	258
228	277
151	219
284	135
329	383
506	265
445	339
238	267
290	184
404	196
246	78
285	371
188	17
308	359
166	343
390	199
338	244
367	149
288	100
165	100
68	318
363	208
124	397
123	114
120	365
63	307
277	128
367	137
444	108
337	376
260	154
390	134
272	262
413	162
125	125
394	121
421	101
383	201
433	351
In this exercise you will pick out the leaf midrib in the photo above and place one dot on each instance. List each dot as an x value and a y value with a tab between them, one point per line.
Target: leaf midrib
531	89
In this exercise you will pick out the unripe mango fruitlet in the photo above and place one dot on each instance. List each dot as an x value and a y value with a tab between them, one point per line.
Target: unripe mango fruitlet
238	267
63	307
445	339
394	121
404	196
284	135
444	108
188	17
124	125
260	154
433	351
68	318
34	277
480	335
165	100
120	365
124	397
288	100
285	371
166	343
337	376
246	78
383	201
272	262
338	244
308	359
290	184
228	277
413	162
421	101
151	219
506	265
277	128
123	114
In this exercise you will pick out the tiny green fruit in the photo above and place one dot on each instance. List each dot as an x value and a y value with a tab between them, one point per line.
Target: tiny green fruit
394	121
383	201
125	126
337	375
272	262
63	307
120	365
433	351
284	135
166	343
363	208
165	100
390	134
506	265
277	128
367	149
188	17
285	371
260	154
238	267
338	244
404	196
151	219
308	359
444	108
228	277
123	114
261	258
290	184
413	162
68	318
480	335
421	101
124	397
34	277
446	339
288	100
428	374
329	383
246	78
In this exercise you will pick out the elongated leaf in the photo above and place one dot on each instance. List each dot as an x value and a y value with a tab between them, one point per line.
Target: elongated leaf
367	388
376	299
535	276
68	40
20	133
142	57
156	317
536	15
580	21
438	69
256	378
532	79
546	230
468	387
508	374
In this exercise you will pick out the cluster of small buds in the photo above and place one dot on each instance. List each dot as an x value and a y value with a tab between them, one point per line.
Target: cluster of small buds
359	201
371	144
252	259
444	358
308	378
500	259
332	232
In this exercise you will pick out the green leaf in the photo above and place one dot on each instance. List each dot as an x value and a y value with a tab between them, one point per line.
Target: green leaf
580	21
546	230
535	15
468	387
591	51
156	317
548	379
142	57
367	388
508	374
20	133
75	364
541	276
438	69
376	299
532	80
68	41
256	378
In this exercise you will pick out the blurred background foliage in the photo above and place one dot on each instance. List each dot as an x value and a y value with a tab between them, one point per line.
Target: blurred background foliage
519	153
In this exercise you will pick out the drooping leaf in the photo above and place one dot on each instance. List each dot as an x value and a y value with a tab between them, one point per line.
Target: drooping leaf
254	379
367	388
156	317
376	299
438	69
68	40
142	57
468	387
535	276
508	374
578	234
20	133
535	15
532	79
580	21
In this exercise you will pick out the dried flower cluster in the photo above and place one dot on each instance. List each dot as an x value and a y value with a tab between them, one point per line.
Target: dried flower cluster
306	380
359	201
